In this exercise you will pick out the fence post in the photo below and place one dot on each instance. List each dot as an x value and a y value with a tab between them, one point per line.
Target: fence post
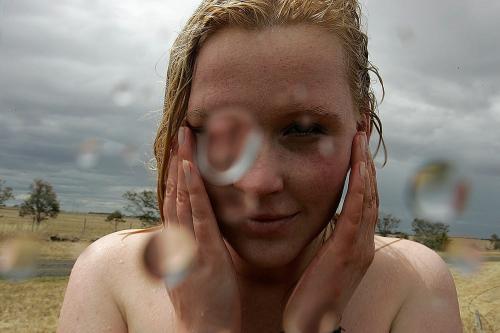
84	225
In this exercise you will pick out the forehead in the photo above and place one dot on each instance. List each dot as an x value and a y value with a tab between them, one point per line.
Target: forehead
269	69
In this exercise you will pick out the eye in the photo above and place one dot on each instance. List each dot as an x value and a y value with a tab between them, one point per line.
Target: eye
196	129
299	130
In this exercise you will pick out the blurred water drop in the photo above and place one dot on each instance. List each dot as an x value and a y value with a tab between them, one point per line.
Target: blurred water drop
130	155
122	94
298	93
406	34
465	257
328	322
228	147
326	146
236	206
438	192
88	156
111	148
18	258
169	255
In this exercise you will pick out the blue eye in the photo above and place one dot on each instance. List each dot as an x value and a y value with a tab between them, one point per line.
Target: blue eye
297	129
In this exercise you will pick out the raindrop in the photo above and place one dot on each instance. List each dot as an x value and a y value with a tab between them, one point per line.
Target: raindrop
111	148
326	146
130	155
328	322
438	192
465	257
87	160
88	156
122	94
169	255
406	34
235	206
228	147
18	258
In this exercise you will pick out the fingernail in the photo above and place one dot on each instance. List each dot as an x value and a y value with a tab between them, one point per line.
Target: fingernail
180	136
187	171
362	169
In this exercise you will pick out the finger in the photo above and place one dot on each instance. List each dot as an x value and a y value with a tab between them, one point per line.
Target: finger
368	200
169	204
374	174
183	204
352	210
205	225
375	198
369	206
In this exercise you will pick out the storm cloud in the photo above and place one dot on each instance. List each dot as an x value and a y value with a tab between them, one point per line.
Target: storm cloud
88	76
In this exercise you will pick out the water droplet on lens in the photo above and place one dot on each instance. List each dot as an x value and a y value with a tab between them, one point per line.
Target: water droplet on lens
464	256
229	146
438	192
122	94
88	156
111	148
235	206
326	146
130	155
18	258
169	255
328	322
87	160
299	93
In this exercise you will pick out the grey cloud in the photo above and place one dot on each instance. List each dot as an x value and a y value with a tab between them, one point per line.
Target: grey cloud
63	61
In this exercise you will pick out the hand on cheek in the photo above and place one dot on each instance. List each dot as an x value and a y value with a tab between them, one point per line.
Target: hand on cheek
211	285
328	283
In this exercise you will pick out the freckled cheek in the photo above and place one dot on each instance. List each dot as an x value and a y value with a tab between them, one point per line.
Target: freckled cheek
319	180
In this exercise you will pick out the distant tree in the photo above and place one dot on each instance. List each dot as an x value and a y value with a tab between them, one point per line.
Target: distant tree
495	241
5	193
41	204
144	205
432	235
116	217
400	234
387	224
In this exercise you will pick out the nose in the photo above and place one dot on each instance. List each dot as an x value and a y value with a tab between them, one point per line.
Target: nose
265	176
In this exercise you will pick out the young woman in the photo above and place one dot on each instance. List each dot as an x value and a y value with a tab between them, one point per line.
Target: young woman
278	268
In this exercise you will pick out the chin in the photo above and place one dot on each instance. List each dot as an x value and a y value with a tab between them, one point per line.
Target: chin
266	254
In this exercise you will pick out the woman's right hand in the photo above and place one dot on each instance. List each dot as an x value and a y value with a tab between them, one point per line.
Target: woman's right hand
208	299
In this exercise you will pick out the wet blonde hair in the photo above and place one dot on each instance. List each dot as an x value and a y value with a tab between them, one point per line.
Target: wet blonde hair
341	17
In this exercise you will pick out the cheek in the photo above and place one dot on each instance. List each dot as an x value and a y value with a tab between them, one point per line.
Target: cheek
317	181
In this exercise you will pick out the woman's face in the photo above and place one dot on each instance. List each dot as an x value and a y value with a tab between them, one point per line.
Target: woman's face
292	80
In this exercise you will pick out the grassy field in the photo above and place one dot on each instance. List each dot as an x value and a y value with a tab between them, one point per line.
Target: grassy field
33	305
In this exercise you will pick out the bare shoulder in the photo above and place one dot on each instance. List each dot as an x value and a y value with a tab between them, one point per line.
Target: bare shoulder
429	302
95	292
415	261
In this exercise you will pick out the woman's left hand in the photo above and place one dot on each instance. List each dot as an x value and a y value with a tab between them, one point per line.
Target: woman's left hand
322	293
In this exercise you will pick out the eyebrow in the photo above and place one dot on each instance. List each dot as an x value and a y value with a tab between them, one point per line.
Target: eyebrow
297	111
318	111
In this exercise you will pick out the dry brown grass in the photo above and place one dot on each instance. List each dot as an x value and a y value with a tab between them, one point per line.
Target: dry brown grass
480	292
83	228
68	225
31	306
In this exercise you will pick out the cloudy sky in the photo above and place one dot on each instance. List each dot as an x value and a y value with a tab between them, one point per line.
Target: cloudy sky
79	77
